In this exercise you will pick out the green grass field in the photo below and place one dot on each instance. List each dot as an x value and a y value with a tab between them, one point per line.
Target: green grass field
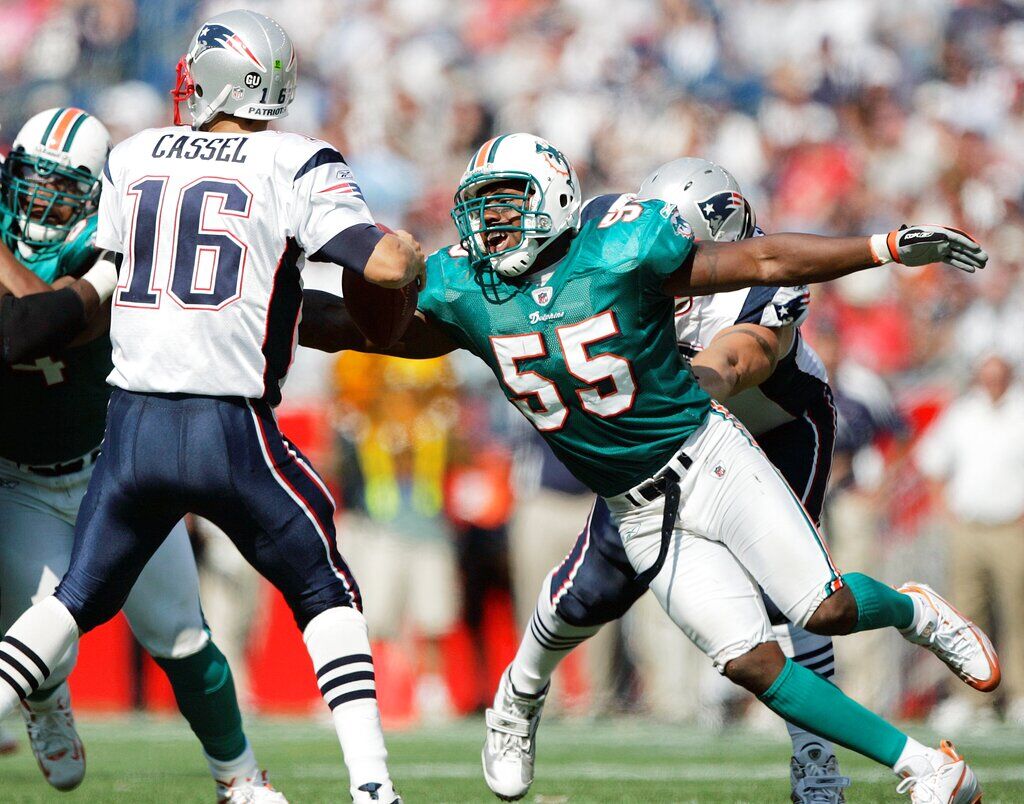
148	760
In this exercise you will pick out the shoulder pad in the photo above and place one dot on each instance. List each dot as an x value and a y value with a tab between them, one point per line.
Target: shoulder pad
597	207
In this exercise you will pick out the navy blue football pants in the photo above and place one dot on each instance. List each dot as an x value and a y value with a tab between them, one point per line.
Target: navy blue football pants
166	455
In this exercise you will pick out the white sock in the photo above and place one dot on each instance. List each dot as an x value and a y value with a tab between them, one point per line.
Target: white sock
243	766
339	646
814	652
548	640
35	643
917	759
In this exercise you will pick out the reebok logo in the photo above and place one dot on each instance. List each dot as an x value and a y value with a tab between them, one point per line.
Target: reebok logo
920	235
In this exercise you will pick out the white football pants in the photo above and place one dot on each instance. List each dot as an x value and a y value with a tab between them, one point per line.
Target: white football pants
739	525
37	526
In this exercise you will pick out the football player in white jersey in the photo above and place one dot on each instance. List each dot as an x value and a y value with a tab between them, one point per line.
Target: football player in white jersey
213	225
52	412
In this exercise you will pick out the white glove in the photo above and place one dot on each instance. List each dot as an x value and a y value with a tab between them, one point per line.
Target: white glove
923	245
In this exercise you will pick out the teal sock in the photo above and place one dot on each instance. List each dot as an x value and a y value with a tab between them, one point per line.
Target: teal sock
878	605
808	700
205	692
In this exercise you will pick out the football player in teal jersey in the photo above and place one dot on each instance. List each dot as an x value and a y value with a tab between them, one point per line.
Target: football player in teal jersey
52	413
575	318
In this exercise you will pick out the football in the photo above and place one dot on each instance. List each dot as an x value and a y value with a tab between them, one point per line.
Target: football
382	314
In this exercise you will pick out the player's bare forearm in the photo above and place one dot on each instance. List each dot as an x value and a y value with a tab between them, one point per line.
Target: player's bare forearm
740	357
396	261
327	326
782	259
15	278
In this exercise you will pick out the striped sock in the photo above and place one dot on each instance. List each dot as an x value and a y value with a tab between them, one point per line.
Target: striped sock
338	644
35	643
814	652
548	640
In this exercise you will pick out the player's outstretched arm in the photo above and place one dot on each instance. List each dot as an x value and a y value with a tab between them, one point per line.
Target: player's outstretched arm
801	259
397	260
740	357
327	326
38	324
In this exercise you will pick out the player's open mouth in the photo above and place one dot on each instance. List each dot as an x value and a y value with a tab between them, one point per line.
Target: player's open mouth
497	241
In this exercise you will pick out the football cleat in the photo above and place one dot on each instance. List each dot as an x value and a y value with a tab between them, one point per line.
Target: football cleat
54	740
256	790
958	642
376	791
816	780
510	747
952	782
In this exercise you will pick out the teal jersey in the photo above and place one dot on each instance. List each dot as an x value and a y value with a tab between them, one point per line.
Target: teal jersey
54	409
586	349
70	258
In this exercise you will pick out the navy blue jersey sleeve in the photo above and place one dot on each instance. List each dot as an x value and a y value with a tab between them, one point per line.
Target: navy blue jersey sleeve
775	307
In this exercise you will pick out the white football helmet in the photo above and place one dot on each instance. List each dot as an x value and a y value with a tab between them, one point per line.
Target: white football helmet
51	178
239	63
544	191
707	196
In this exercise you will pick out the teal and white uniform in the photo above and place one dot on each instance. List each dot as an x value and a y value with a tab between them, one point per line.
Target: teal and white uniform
587	351
52	413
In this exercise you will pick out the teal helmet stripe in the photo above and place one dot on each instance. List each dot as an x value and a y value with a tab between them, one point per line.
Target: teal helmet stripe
74	130
494	149
53	122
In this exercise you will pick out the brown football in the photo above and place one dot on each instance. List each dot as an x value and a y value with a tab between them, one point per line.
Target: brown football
382	314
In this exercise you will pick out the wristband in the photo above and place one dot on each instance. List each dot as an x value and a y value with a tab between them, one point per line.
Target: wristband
103	277
881	248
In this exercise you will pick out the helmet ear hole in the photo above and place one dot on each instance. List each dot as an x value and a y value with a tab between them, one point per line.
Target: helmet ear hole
199	90
563	199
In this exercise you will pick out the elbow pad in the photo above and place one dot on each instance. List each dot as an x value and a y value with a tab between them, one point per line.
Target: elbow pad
37	325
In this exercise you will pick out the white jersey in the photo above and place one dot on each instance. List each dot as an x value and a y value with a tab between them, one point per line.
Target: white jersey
215	230
782	397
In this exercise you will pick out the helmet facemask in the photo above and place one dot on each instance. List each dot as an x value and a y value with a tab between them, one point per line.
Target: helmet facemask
484	219
45	199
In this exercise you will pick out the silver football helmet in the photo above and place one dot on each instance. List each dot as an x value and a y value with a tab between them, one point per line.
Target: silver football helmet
239	63
707	195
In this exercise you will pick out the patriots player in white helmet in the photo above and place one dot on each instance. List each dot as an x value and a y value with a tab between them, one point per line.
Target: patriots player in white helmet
745	348
212	225
52	413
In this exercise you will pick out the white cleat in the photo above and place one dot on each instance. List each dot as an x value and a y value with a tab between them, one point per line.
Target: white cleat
952	782
54	740
376	791
959	643
510	748
816	780
257	790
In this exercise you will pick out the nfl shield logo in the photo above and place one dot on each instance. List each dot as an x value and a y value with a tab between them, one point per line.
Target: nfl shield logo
542	296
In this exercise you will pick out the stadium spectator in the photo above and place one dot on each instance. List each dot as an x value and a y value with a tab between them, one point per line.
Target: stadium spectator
975	455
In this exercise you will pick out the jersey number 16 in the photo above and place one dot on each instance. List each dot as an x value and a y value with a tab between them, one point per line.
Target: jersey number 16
207	263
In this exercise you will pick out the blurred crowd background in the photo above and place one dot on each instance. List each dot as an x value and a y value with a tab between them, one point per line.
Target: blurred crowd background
837	117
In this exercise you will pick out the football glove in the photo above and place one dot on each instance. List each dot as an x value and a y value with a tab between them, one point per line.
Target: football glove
923	245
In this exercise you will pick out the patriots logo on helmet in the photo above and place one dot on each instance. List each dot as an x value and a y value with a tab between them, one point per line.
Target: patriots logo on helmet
215	36
718	208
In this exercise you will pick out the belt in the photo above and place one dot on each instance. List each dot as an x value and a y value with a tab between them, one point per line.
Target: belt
664	484
61	469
